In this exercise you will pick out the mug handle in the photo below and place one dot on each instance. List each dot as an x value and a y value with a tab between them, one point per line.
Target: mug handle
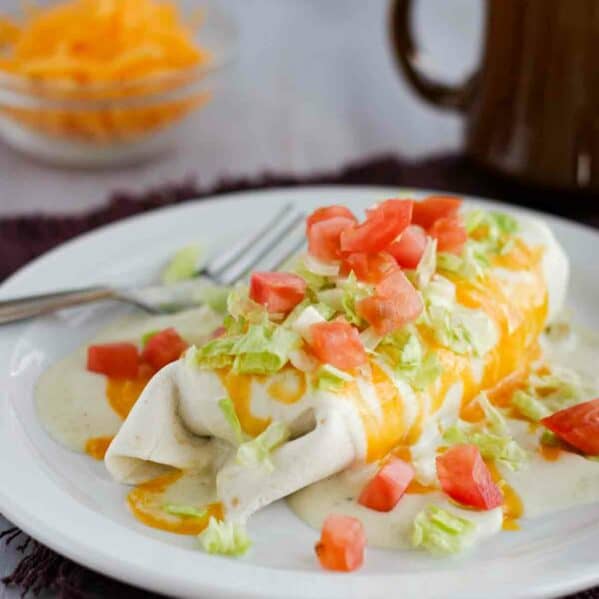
409	59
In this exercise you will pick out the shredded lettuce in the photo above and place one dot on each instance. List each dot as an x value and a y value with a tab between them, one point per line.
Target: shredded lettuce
439	292
427	266
370	339
240	305
495	419
215	354
228	409
501	448
322	269
529	406
304	321
263	350
329	378
462	330
257	451
496	230
441	532
471	264
405	354
353	292
491	437
147	336
225	538
333	298
315	281
548	393
215	296
187	511
183	265
550	439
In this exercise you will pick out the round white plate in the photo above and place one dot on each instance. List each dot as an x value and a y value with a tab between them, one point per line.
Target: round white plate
69	503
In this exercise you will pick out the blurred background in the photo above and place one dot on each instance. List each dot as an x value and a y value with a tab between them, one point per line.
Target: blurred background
311	86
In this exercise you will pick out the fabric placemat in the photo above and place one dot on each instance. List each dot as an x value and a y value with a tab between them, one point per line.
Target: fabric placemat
22	238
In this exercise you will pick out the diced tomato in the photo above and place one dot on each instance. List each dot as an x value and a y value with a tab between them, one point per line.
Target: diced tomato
464	476
324	237
280	292
341	545
408	249
337	343
433	208
394	304
577	425
450	234
163	348
369	268
387	486
381	227
327	212
118	360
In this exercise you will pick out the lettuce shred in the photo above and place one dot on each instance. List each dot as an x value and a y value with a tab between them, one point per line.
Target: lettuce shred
257	452
441	532
183	265
225	538
228	409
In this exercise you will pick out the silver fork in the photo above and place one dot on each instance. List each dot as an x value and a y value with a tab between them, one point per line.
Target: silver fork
270	247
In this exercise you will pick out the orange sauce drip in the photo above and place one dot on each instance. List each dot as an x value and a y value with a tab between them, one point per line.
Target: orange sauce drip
550	453
123	393
415	488
512	504
239	388
287	386
96	447
146	503
385	429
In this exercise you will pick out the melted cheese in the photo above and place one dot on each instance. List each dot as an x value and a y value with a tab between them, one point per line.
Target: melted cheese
96	447
123	393
147	502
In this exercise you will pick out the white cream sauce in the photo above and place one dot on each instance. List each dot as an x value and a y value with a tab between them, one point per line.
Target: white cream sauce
72	404
543	486
71	401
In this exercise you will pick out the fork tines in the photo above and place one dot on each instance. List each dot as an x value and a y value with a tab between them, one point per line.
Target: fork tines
269	247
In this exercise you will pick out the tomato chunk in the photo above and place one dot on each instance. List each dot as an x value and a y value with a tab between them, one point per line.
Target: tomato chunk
387	486
341	545
577	425
327	212
118	360
433	208
337	343
450	234
280	292
324	237
164	347
369	268
394	304
464	476
408	249
381	227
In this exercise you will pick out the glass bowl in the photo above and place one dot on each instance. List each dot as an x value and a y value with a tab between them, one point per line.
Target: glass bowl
100	125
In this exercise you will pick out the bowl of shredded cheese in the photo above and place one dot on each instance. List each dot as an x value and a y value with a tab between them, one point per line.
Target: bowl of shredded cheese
103	82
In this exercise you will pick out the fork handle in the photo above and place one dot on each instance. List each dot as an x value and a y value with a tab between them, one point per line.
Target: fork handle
34	305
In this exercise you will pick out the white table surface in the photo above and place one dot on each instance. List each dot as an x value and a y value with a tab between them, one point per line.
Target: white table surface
314	88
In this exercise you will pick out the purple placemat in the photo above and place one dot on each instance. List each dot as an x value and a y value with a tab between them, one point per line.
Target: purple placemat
22	238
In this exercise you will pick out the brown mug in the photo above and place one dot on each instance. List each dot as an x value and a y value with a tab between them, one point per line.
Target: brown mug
532	106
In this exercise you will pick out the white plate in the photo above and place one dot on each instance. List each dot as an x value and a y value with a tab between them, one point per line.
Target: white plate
69	503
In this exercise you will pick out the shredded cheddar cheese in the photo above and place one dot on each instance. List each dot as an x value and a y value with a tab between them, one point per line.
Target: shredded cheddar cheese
106	51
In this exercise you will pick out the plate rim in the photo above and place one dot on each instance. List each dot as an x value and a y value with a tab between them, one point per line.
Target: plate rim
42	531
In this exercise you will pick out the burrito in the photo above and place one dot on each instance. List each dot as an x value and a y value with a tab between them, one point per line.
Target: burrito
382	332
